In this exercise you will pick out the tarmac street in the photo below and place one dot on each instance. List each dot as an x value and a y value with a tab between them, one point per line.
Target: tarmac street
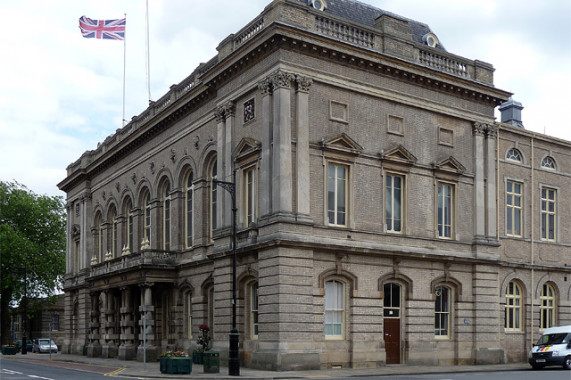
134	369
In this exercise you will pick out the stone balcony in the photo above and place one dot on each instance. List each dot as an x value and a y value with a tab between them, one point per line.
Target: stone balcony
145	258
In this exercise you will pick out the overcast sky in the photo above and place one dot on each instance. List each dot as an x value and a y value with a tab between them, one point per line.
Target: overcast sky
61	94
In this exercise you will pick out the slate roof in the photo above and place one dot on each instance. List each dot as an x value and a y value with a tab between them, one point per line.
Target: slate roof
366	14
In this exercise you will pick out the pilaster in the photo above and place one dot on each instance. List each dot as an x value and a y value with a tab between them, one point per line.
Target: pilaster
302	146
281	167
265	87
479	131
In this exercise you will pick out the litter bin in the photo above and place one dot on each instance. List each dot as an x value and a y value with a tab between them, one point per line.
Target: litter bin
211	362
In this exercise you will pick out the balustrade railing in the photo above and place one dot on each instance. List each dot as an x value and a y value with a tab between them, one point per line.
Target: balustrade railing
344	32
148	257
249	32
442	63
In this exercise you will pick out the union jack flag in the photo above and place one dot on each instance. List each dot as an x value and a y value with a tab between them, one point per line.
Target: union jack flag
102	29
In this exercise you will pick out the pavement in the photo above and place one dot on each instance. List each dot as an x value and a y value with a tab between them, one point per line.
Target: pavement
135	369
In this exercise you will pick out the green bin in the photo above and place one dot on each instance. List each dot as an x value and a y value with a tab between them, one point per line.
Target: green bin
211	362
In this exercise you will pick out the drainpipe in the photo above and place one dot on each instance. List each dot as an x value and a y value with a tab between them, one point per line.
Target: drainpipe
532	292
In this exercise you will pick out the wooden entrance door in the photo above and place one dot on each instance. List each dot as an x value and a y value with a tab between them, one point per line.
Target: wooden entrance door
391	334
391	322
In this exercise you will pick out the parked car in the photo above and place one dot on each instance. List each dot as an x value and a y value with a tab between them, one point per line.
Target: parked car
44	345
29	345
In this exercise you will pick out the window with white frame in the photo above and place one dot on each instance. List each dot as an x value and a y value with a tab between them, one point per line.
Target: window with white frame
445	210
254	322
442	312
548	214
514	155
166	216
513	311
188	209
514	208
547	307
394	191
334	309
337	184
250	195
548	163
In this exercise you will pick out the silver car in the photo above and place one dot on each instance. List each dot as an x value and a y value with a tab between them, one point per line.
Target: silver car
44	345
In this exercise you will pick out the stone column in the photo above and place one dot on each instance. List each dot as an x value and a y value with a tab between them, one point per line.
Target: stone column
479	131
302	147
177	220
86	241
110	345
147	310
127	349
281	166
265	87
94	346
492	133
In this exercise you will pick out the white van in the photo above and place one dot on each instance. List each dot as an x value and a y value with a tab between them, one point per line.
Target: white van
552	348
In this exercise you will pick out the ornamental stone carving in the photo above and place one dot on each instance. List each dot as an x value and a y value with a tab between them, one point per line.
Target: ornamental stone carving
303	83
281	79
265	86
479	129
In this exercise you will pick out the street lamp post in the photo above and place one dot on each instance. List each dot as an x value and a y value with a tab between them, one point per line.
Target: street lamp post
233	357
25	318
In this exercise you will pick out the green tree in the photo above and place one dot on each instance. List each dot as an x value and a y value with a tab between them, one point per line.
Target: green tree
32	241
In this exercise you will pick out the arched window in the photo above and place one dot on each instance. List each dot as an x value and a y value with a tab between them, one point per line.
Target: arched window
334	309
513	313
112	233
98	239
547	307
188	312
166	206
254	309
213	196
442	307
128	226
188	209
147	218
548	163
514	155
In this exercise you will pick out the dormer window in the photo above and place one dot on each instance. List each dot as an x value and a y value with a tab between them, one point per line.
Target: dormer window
431	40
320	5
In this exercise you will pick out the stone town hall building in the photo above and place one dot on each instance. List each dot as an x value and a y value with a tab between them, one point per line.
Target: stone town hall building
383	215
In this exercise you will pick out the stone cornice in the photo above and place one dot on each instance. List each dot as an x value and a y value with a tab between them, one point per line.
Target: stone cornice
277	36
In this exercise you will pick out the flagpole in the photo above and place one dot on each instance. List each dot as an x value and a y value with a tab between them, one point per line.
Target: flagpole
148	54
124	68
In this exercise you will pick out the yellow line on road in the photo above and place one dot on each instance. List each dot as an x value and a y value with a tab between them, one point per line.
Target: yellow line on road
116	372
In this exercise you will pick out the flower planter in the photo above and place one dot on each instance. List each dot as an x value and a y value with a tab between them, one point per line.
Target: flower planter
176	365
198	357
9	350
